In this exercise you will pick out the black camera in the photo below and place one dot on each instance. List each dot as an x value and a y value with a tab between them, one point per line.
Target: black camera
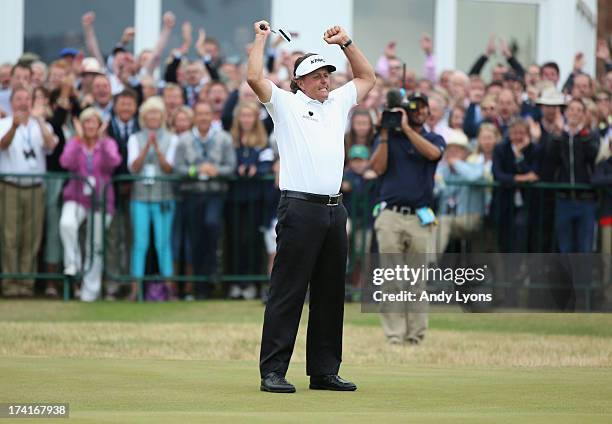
391	119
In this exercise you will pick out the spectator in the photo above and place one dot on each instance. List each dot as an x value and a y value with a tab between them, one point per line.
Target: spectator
435	120
477	114
488	138
173	99
582	87
216	94
148	60
405	162
361	130
182	126
358	190
5	76
604	112
461	206
550	72
455	118
389	66
182	121
90	68
515	160
39	73
53	187
499	70
25	139
550	103
570	159
458	89
94	157
602	178
507	108
244	93
148	87
195	80
204	155
533	75
123	124
58	71
254	159
102	96
21	76
151	154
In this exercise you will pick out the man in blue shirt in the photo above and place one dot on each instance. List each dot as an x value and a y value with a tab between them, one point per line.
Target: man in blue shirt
405	160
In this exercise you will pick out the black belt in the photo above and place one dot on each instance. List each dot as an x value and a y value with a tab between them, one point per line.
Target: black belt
332	200
577	195
404	210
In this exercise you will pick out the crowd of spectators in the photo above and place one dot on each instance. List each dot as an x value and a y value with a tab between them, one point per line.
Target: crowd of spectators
102	117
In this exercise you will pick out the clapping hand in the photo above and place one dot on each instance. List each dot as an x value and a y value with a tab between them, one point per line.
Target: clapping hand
534	129
78	128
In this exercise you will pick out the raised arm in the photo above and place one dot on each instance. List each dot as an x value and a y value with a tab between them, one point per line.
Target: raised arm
482	59
200	47
430	62
168	24
363	73
91	40
255	77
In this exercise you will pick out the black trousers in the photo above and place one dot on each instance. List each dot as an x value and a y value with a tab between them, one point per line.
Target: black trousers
311	246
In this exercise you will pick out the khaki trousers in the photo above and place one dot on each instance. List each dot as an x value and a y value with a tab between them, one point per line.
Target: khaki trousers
21	219
397	233
457	227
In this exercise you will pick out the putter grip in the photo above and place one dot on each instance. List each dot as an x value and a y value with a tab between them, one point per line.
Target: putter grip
262	27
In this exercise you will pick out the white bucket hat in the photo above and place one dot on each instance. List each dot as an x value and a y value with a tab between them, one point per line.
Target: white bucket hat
457	138
551	97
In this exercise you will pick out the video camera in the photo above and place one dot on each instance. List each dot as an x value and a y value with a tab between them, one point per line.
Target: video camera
395	99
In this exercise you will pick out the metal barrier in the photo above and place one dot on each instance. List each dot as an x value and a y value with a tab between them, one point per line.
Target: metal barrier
509	228
247	206
26	202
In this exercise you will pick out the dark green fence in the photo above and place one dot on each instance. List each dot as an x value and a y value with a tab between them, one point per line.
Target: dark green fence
248	205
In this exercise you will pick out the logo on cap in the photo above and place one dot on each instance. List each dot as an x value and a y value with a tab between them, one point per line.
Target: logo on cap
313	61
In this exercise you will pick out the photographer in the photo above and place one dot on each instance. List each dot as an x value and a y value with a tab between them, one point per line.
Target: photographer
405	159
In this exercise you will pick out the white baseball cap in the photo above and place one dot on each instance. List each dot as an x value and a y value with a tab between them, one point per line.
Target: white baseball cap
312	63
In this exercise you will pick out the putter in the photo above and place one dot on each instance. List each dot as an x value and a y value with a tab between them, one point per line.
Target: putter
280	31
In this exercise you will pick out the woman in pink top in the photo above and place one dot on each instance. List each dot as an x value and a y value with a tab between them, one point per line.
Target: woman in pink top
93	157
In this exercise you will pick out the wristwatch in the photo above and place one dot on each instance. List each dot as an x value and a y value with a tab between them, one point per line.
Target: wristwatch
345	45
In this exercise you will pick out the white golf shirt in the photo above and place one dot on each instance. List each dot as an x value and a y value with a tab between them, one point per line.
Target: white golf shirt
27	153
310	137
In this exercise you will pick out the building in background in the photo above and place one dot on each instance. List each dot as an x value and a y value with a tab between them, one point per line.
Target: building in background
540	30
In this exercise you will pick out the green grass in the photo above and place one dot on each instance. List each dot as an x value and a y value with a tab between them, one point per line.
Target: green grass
598	325
197	362
161	391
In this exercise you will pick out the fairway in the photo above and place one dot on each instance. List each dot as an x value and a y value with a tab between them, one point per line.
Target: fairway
197	362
